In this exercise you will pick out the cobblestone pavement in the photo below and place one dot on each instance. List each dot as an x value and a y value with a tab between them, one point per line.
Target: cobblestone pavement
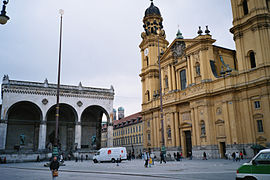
213	169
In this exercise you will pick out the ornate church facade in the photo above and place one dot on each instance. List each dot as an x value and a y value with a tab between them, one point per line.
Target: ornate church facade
215	100
28	116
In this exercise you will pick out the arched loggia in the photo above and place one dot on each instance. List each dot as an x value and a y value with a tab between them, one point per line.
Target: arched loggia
24	119
66	129
91	121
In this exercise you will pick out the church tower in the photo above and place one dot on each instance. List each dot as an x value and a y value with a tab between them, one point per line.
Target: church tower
251	30
153	37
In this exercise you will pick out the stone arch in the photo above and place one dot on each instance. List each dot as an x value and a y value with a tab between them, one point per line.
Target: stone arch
91	120
23	120
68	117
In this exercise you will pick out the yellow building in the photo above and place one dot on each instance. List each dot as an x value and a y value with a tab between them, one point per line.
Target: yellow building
215	100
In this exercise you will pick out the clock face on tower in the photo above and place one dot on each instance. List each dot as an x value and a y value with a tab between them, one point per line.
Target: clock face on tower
146	51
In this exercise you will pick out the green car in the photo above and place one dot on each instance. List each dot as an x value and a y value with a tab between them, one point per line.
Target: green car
258	168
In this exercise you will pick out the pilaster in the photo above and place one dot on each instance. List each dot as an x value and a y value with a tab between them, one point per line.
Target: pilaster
42	136
78	134
3	134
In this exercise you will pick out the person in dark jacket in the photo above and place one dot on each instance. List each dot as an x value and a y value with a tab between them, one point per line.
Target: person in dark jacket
54	166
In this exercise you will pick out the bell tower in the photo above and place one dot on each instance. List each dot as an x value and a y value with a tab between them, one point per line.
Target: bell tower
152	38
251	30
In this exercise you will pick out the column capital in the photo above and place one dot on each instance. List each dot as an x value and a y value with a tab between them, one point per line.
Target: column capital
43	122
3	121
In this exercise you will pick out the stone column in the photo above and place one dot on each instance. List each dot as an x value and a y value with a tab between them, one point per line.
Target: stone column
78	134
3	134
42	136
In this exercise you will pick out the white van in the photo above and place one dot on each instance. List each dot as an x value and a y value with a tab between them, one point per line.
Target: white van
110	154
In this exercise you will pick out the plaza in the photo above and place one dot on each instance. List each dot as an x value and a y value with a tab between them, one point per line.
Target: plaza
187	169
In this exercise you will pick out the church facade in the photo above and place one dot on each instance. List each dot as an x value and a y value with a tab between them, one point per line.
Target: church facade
215	100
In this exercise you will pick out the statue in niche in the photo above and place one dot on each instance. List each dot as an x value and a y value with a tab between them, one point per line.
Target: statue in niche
93	140
22	139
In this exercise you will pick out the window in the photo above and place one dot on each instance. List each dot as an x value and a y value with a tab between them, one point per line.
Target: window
260	125
245	7
131	130
166	82
169	133
147	61
149	137
183	79
252	59
139	128
202	128
268	4
257	104
148	123
136	128
147	95
128	130
136	139
263	158
140	140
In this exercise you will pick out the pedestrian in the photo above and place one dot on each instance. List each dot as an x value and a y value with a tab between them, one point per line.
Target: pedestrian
76	159
69	157
152	156
241	155
38	160
204	156
233	156
162	158
54	166
86	157
5	160
146	157
177	156
0	160
190	155
237	156
174	156
181	156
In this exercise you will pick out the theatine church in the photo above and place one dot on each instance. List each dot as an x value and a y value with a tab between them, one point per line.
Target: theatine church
214	99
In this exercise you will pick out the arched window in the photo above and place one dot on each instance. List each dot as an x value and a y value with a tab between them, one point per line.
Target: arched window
166	82
169	133
203	133
147	95
252	59
245	7
183	79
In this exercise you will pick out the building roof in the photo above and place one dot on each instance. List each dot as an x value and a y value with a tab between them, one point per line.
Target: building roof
129	120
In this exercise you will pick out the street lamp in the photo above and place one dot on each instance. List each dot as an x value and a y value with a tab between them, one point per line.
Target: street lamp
160	94
55	149
3	17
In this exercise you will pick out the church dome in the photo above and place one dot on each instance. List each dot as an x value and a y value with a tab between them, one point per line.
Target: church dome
152	10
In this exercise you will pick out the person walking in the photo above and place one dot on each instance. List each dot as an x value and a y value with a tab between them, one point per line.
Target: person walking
162	158
233	156
204	156
54	166
241	155
146	158
237	156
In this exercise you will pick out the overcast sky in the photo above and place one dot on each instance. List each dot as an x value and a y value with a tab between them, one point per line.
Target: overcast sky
100	40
